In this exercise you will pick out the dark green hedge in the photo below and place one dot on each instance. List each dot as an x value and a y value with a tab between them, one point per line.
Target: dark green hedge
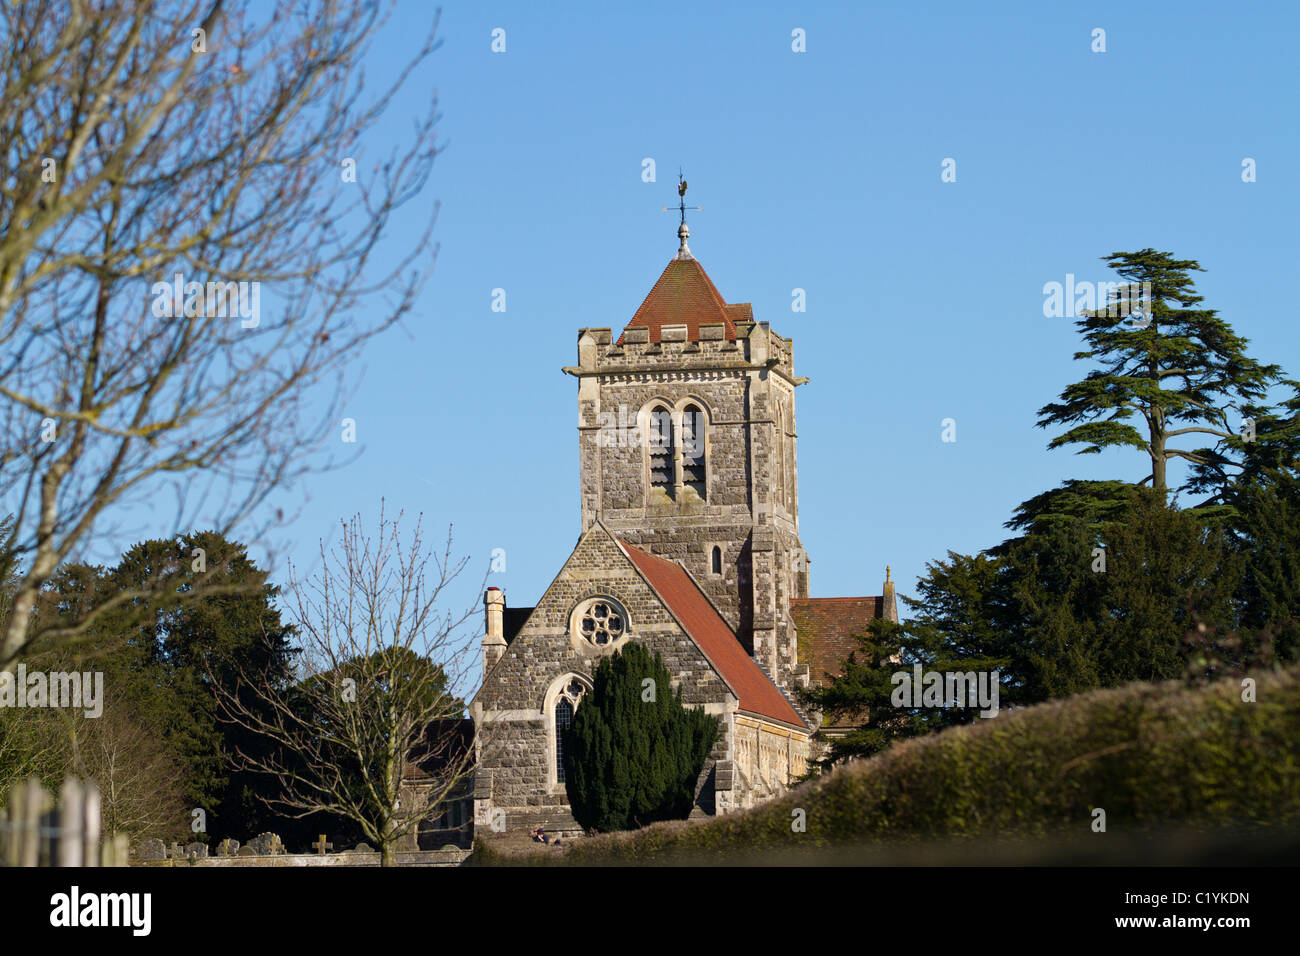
1153	756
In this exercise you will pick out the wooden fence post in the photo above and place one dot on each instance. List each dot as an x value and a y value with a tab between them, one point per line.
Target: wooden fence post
39	833
69	820
31	803
12	814
117	850
91	846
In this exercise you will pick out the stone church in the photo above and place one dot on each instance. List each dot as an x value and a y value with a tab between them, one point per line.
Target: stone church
690	545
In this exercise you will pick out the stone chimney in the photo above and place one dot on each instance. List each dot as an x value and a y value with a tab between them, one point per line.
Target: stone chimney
494	635
890	601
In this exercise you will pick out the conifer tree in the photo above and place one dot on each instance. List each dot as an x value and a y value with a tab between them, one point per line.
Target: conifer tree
1267	534
956	627
1171	375
635	751
199	610
1148	593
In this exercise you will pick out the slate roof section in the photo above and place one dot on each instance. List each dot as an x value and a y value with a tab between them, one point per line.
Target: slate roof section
513	620
827	629
679	592
686	295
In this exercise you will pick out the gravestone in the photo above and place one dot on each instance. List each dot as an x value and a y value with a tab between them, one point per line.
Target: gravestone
361	848
228	847
246	851
267	844
196	851
153	849
177	852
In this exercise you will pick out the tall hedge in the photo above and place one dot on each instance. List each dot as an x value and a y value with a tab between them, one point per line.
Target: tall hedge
1151	756
634	752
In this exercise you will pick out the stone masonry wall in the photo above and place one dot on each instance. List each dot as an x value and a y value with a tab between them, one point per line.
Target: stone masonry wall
516	744
767	759
746	387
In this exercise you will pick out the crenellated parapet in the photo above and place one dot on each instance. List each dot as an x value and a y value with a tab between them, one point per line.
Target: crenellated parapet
752	347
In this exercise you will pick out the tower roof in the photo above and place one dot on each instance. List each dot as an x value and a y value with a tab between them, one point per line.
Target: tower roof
685	295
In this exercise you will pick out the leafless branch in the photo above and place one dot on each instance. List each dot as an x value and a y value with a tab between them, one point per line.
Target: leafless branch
212	140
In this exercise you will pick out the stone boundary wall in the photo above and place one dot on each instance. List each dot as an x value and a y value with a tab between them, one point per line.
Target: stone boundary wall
404	858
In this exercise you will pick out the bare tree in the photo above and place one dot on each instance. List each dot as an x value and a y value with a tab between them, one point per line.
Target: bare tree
141	788
140	785
30	746
190	252
377	697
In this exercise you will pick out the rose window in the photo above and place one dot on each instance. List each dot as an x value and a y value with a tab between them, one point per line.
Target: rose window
602	623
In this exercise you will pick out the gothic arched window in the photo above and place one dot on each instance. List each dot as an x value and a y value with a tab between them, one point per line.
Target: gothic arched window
566	705
563	721
694	434
717	560
663	456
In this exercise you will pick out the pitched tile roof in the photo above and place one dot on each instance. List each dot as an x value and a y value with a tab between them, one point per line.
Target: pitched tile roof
686	295
827	628
758	695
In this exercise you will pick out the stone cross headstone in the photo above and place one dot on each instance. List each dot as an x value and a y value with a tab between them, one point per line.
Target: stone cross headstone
228	847
321	846
267	844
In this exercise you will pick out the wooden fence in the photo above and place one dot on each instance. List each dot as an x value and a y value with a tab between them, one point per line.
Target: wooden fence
37	831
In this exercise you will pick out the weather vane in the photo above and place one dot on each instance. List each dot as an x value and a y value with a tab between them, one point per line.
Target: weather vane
681	193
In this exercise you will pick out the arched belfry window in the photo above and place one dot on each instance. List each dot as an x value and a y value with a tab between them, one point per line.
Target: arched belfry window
694	435
663	454
677	450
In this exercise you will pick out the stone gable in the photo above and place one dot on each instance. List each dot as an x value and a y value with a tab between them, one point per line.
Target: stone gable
545	647
516	757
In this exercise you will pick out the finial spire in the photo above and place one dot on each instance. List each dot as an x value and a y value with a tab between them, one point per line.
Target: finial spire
886	572
683	231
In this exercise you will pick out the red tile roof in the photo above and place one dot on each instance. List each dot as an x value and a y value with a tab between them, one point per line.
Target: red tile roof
827	628
758	695
686	295
741	312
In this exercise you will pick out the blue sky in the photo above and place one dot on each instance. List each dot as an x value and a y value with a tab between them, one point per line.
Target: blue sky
817	170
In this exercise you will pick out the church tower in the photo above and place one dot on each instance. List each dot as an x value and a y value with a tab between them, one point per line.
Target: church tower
686	437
